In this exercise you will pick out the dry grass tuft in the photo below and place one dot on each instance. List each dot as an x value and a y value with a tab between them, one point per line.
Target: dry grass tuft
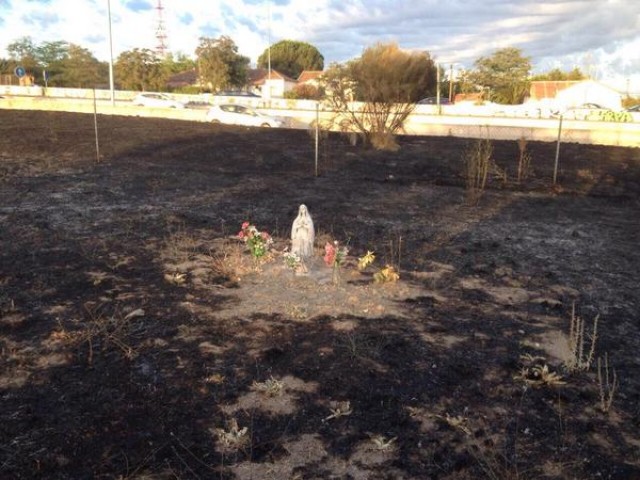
233	439
607	383
581	346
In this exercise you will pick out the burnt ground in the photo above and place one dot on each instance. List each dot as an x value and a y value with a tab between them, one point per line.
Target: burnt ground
139	341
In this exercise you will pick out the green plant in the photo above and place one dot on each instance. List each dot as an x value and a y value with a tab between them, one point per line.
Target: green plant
257	241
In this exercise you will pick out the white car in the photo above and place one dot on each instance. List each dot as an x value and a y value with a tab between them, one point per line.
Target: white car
240	115
156	100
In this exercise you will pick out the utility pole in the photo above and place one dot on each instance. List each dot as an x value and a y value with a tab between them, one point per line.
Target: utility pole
438	88
451	83
111	83
267	83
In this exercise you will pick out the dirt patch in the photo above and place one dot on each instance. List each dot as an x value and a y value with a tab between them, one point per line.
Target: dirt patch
139	340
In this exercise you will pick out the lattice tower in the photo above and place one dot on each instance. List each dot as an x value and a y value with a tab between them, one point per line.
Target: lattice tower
161	32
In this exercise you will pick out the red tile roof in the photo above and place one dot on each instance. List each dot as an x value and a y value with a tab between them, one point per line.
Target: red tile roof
308	75
257	76
549	88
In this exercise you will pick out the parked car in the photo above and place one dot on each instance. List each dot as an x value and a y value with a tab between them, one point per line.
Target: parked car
586	111
434	101
240	115
156	100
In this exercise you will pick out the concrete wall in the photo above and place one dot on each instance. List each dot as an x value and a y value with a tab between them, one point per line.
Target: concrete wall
301	113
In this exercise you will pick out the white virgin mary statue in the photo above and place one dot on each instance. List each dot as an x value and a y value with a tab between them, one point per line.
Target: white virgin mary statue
302	234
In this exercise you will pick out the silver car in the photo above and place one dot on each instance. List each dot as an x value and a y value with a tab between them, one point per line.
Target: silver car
240	115
156	100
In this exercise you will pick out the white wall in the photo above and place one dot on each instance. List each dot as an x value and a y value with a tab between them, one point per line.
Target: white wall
301	113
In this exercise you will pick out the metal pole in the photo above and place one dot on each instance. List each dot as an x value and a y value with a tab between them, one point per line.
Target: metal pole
555	167
317	133
451	83
111	83
268	82
269	40
438	88
95	124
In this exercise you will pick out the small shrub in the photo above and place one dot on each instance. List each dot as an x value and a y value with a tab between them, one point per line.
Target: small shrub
524	160
478	161
607	383
582	349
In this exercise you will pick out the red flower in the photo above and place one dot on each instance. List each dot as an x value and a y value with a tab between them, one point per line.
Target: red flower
329	254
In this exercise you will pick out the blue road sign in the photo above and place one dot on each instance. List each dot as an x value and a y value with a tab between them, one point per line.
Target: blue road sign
20	72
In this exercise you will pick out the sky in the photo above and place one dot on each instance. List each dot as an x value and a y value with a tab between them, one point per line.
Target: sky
601	37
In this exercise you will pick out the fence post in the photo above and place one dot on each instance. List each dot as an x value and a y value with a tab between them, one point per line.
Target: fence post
317	134
95	124
555	166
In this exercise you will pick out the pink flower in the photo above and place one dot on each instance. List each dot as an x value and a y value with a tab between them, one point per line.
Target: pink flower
245	225
265	236
241	234
329	254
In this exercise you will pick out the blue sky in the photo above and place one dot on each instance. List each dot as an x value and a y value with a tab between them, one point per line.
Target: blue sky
599	36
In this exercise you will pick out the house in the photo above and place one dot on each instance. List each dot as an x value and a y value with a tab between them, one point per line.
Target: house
310	77
271	84
188	78
567	94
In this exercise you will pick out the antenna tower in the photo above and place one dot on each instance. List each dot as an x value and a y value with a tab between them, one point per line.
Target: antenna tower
161	33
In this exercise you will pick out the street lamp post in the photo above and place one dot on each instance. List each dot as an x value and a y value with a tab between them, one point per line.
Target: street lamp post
268	82
111	83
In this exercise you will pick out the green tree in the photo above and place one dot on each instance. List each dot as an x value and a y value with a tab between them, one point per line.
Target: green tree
80	69
505	75
140	69
558	75
387	81
220	66
177	63
292	57
49	53
24	52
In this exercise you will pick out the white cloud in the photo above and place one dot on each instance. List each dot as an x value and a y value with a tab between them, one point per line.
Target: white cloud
553	32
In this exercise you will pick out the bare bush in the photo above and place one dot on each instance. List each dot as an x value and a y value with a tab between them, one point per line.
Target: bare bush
375	94
524	160
607	383
582	348
478	162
